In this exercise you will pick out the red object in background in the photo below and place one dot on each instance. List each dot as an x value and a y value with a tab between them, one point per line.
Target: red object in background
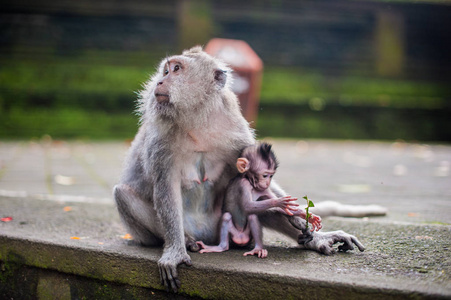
6	219
248	70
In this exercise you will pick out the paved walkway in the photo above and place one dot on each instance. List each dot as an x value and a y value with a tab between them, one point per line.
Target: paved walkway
78	231
412	180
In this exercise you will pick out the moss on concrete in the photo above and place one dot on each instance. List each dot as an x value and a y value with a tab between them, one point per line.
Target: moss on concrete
401	261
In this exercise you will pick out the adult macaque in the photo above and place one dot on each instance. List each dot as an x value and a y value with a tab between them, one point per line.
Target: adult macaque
182	158
248	195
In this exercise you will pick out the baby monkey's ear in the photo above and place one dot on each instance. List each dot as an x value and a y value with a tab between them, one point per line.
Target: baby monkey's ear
242	164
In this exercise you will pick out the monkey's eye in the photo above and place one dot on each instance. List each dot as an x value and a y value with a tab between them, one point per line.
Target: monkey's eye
176	68
265	175
166	72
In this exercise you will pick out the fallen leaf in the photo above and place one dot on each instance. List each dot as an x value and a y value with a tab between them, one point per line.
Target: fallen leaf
411	214
127	237
100	243
67	208
6	219
74	238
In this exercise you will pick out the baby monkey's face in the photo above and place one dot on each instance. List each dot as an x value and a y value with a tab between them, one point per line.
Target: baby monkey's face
263	179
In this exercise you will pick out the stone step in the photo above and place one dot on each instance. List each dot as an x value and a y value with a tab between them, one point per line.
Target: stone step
58	249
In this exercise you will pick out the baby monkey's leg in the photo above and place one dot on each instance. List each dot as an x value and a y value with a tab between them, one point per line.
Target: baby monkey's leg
257	234
227	228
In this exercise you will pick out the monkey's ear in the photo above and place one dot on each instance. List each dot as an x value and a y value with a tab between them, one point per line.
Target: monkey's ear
242	164
220	77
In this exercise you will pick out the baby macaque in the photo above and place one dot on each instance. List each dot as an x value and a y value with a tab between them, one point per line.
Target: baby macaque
248	195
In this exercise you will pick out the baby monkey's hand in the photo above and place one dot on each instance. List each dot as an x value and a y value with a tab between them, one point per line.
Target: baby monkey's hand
287	204
315	221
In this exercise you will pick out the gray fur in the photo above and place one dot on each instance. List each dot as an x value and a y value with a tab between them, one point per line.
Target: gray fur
182	158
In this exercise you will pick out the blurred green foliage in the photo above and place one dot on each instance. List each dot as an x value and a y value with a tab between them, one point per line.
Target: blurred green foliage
111	87
354	122
70	84
284	85
67	123
73	97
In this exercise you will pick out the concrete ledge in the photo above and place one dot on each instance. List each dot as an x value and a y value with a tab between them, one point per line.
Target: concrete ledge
401	260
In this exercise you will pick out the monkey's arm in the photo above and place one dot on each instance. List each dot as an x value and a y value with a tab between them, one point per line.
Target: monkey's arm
267	200
283	204
168	202
322	241
240	195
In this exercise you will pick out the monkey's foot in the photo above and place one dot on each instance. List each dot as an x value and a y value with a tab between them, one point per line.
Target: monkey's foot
192	245
209	249
323	242
305	237
261	253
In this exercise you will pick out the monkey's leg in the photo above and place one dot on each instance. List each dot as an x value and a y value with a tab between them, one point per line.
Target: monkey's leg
138	216
141	219
226	227
300	223
257	234
322	241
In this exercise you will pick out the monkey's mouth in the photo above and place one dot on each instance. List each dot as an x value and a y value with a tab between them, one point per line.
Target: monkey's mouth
162	98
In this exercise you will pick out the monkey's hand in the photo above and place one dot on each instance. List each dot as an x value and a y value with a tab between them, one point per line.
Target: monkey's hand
287	204
315	221
323	242
261	253
168	263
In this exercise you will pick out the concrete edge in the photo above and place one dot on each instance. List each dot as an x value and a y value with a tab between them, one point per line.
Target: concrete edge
199	280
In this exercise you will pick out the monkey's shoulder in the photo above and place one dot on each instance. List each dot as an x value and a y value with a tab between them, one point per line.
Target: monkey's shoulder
238	187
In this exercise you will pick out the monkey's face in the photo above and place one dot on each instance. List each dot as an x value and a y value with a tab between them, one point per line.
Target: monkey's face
187	86
261	178
265	179
169	80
